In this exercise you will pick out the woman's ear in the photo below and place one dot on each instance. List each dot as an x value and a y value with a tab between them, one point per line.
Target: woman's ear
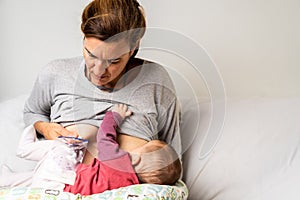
135	48
135	159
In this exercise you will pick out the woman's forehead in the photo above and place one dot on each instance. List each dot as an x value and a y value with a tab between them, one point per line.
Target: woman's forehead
106	50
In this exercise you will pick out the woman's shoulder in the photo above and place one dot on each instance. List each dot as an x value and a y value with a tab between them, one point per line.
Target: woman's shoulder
65	63
154	73
153	68
62	66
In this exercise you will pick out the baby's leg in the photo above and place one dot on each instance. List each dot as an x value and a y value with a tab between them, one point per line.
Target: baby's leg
31	149
12	179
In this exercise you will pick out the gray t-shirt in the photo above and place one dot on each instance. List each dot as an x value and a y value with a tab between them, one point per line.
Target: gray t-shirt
63	94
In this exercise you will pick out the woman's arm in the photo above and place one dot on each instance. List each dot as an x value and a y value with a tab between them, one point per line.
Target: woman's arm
52	130
37	108
170	132
38	105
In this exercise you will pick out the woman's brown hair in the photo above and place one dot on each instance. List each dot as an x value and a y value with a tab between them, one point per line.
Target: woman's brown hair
106	19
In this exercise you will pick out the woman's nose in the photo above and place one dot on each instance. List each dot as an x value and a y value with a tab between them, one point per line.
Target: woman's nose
99	67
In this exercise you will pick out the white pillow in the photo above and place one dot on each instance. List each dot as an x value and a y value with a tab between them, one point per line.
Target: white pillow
11	127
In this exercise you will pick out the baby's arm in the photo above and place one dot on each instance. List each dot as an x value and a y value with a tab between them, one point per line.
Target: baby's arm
122	110
108	148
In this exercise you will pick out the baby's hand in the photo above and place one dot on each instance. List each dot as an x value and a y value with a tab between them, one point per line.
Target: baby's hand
122	110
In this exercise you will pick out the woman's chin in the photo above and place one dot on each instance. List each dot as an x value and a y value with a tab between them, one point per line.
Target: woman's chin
103	85
100	82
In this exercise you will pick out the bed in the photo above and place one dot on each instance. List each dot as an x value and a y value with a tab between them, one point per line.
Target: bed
255	156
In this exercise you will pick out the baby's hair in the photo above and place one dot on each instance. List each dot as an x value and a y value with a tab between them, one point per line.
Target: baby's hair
161	164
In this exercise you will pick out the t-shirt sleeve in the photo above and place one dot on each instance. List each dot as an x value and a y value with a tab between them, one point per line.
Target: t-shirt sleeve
38	105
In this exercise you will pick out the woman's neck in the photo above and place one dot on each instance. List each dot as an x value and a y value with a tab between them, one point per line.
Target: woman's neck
124	77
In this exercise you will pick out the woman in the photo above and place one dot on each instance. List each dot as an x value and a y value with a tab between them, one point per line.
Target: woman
71	96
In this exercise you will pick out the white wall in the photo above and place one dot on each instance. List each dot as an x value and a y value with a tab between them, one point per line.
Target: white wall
255	44
34	32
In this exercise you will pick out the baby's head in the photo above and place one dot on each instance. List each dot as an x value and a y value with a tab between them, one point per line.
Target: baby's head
156	162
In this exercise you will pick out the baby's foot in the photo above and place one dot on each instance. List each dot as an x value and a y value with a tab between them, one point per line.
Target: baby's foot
122	110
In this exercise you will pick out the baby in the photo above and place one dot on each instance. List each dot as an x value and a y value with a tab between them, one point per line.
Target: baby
116	168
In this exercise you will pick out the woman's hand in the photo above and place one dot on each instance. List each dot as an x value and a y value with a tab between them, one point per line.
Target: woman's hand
52	130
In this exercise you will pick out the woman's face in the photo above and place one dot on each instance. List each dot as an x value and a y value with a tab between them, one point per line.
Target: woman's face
105	62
